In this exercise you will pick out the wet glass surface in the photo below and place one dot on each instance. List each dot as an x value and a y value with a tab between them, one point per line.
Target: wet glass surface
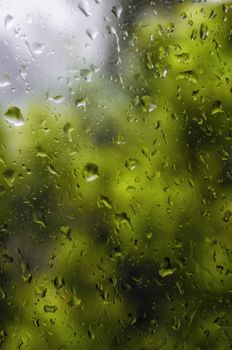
115	175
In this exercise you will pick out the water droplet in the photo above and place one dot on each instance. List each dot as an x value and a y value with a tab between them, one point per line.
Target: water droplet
132	163
38	48
104	202
9	21
81	103
91	333
41	153
148	104
52	170
189	76
149	234
50	308
56	99
204	31
227	216
166	269
7	259
9	176
111	30
217	108
59	282
13	116
68	129
90	172
122	218
66	231
40	292
23	71
183	57
92	33
86	74
2	294
26	275
117	11
163	272
130	189
5	81
84	7
194	34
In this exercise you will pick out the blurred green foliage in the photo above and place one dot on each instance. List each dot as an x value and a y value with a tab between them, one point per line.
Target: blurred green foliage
116	215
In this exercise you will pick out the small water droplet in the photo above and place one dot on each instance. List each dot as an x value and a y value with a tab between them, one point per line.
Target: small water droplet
7	259
204	31
90	172
104	202
166	269
68	129
132	163
117	11
130	189
81	103
190	76
86	74
38	48
166	272
91	333
9	21
9	176
23	71
122	218
40	292
194	34
13	116
66	231
84	7
59	282
227	216
56	99
50	308
52	170
217	108
148	104
92	33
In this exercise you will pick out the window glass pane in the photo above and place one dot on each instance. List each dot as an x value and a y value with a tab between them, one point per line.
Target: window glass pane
115	175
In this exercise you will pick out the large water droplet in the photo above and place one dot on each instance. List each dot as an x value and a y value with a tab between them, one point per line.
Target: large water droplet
13	116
